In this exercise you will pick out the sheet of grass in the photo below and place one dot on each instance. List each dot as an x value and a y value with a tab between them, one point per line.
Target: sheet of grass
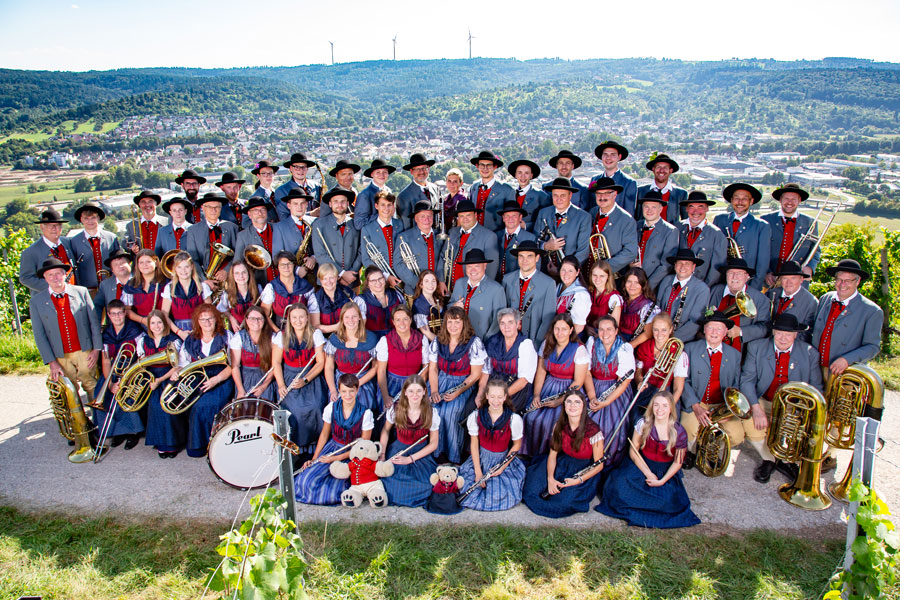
119	557
19	355
889	369
88	127
57	190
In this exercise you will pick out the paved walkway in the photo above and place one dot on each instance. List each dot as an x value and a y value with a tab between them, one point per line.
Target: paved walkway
37	476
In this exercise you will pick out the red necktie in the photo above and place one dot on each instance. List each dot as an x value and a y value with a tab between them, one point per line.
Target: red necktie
483	194
95	250
427	193
693	234
782	362
118	291
523	287
676	287
469	291
837	307
458	268
429	243
342	226
215	236
787	241
388	232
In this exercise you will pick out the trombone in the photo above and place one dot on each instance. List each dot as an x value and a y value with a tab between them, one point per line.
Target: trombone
809	236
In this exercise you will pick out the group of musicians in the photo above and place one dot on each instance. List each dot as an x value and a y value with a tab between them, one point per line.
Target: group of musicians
526	317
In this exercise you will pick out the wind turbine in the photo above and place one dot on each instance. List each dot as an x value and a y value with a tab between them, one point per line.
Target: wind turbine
332	52
471	37
395	47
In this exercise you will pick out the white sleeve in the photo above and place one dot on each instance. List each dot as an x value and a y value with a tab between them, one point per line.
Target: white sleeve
167	291
139	345
389	416
330	349
420	320
268	295
361	304
477	353
425	351
589	346
541	348
581	307
516	426
433	351
472	423
368	421
681	367
224	305
582	357
435	421
597	437
235	342
311	303
614	301
318	338
329	410
184	359
278	340
127	298
528	360
625	356
381	350
639	425
207	292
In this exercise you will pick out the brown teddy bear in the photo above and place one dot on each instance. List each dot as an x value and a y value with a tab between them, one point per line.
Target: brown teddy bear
363	470
447	484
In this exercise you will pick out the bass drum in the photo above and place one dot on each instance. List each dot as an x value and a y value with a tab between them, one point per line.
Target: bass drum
241	449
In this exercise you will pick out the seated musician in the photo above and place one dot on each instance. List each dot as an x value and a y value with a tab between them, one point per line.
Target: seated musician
326	303
299	359
511	357
571	297
495	430
469	235
639	307
645	358
605	299
657	239
125	426
344	421
531	292
737	274
351	350
294	230
478	294
286	289
575	444
380	300
170	236
770	362
382	233
183	294
365	211
116	287
149	226
251	357
241	292
648	491
703	238
418	431
92	245
790	296
562	228
400	353
50	245
428	307
684	296
146	287
164	431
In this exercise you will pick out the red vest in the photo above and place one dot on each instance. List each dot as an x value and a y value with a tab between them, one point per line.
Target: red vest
67	328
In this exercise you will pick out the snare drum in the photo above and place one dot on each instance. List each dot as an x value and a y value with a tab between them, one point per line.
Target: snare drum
241	450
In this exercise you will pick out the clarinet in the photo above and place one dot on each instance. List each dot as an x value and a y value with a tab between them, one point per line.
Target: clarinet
643	323
677	319
406	450
608	392
340	450
548	400
525	307
491	473
546	493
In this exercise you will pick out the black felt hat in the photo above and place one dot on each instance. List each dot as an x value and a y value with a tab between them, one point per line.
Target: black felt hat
736	263
327	197
731	189
423	206
561	183
342	164
848	265
652	196
791	187
91	207
792	267
486	155
512	206
417	159
475	256
622	150
118	253
296	193
211	197
697	196
298	157
715	316
167	205
146	194
262	165
467	206
662	158
605	183
50	264
576	160
684	254
528	246
228	177
788	322
189	174
255	202
379	164
51	215
535	169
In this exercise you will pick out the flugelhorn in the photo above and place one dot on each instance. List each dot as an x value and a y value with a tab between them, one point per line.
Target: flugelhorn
219	254
599	247
135	387
743	305
177	398
69	413
734	249
713	444
408	257
797	433
257	257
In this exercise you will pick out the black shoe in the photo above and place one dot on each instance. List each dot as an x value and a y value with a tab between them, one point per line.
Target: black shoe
829	464
162	454
171	453
789	470
689	460
131	441
117	440
763	472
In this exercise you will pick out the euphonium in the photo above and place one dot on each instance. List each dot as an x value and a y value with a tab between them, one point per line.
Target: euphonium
743	304
599	247
124	357
219	255
713	444
797	433
179	397
257	257
69	413
847	395
135	386
167	263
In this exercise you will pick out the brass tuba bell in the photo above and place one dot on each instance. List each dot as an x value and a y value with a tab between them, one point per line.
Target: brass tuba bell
743	305
179	397
219	255
135	386
713	444
167	263
257	257
73	423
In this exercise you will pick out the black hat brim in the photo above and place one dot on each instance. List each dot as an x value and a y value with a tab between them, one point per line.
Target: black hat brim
390	169
221	200
519	210
327	197
622	150
413	165
714	319
707	202
863	275
80	211
200	180
576	160
568	188
353	167
167	205
800	327
539	251
665	159
726	267
497	162
674	259
729	191
41	270
804	195
535	169
122	254
308	163
616	188
219	184
156	198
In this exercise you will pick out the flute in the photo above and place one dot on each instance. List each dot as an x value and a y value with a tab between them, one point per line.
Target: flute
340	450
493	472
410	447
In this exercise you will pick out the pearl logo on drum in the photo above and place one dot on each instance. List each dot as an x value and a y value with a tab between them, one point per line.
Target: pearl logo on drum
236	437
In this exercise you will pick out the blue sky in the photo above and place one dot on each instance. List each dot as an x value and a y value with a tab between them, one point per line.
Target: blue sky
106	34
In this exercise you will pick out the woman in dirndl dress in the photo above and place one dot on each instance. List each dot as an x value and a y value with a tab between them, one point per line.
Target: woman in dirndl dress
648	490
351	350
562	364
251	357
167	432
183	294
418	428
576	444
640	307
208	337
401	353
327	303
344	422
605	300
146	287
645	357
284	290
611	360
241	292
456	358
495	431
380	300
512	358
571	297
427	306
299	358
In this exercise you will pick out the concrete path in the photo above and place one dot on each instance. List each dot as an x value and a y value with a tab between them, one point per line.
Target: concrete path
36	476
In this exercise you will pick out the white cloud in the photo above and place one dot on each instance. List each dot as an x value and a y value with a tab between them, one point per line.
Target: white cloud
74	6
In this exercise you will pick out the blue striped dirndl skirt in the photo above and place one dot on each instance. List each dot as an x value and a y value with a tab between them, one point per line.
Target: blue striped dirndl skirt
183	324
123	423
569	500
305	406
539	423
203	413
410	485
250	376
315	485
627	496
167	432
452	436
501	492
607	418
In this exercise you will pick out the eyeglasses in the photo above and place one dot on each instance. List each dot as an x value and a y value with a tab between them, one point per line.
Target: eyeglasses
255	319
206	320
573	401
376	280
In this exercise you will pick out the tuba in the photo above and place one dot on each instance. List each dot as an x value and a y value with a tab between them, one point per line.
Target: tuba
219	255
713	444
797	433
179	397
257	257
847	395
69	413
135	386
743	305
166	264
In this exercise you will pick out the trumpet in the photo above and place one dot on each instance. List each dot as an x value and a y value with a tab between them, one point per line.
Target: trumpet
734	249
119	366
556	256
743	305
257	257
178	398
408	257
385	265
434	319
713	444
167	263
135	387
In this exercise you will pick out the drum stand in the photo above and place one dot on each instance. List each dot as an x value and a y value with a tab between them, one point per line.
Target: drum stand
286	449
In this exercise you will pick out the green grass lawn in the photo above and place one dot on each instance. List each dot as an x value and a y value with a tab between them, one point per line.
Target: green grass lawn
118	557
31	137
57	189
66	127
19	355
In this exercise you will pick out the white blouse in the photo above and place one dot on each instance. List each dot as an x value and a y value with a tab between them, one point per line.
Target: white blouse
516	425
624	356
381	350
435	419
527	362
368	421
477	354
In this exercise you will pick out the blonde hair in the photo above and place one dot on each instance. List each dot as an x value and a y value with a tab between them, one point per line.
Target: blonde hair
360	329
650	422
180	258
326	269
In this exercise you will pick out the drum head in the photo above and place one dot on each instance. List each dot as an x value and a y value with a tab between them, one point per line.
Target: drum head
242	453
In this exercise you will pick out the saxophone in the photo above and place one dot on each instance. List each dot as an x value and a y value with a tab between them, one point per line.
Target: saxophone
303	249
69	413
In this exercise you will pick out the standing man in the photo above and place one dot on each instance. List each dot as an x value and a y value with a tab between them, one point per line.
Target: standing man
265	185
382	233
231	187
657	239
788	225
790	297
662	168
684	296
170	236
511	236
66	329
260	232
489	195
190	183
344	173
91	246
614	223
563	227
479	295
364	210
50	245
299	166
148	224
610	154
528	197
465	237
531	292
335	240
202	236
753	236
705	239
724	296
424	250
419	190
294	229
565	162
